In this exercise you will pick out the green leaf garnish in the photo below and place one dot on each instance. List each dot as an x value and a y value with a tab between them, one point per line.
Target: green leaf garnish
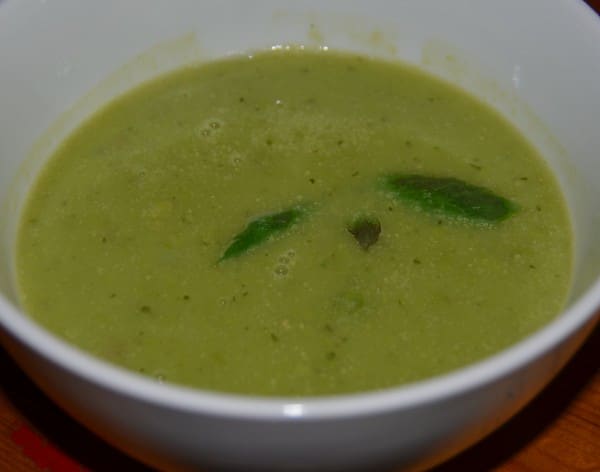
261	229
450	197
365	230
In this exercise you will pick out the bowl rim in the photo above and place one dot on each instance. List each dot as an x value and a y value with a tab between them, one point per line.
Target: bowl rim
581	313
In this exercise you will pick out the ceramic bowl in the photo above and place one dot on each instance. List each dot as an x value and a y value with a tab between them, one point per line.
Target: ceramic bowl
536	61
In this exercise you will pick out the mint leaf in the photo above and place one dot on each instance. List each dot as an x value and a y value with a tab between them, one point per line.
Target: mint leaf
450	197
262	229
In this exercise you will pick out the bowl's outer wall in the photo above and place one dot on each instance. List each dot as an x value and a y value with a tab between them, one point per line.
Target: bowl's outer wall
54	52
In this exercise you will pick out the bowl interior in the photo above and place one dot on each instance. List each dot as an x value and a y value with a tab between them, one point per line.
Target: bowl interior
548	85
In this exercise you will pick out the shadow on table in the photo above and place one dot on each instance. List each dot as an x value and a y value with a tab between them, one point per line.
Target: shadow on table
94	454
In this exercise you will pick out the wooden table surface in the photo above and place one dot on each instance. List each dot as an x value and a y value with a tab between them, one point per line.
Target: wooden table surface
559	431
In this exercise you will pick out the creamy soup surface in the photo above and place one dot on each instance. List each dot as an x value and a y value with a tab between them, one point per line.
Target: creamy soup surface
123	245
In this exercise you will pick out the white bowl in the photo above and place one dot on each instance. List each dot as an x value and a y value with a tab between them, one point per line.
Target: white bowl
537	61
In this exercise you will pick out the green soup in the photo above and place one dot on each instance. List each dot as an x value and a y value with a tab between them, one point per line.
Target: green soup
228	227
